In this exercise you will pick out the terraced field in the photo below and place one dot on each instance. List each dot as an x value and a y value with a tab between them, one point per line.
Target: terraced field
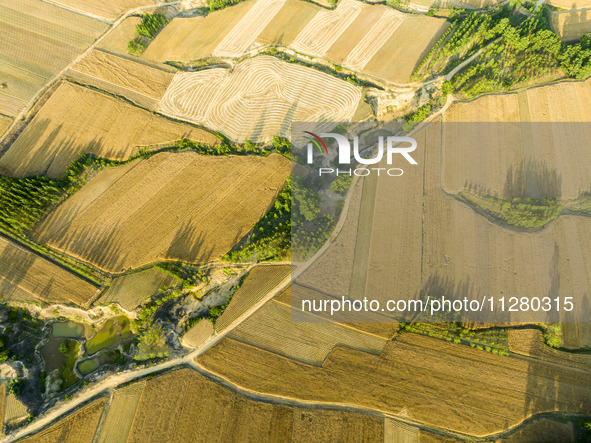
78	427
477	392
38	41
162	415
259	98
131	290
77	120
25	276
121	412
271	328
257	284
108	10
125	74
179	206
374	39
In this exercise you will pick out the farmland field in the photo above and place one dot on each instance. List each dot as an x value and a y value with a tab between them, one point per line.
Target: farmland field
5	123
109	9
186	39
132	290
487	167
38	41
79	427
198	333
477	392
125	73
78	120
180	206
121	413
374	39
259	98
163	415
571	25
570	4
116	41
26	276
272	329
14	409
257	284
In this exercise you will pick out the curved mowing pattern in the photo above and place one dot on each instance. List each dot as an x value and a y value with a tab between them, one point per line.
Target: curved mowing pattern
248	28
326	27
371	42
259	98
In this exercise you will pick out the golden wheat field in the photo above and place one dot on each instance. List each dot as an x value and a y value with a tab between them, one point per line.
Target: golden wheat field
203	408
259	98
257	284
551	153
132	290
25	276
5	123
373	39
108	10
193	38
571	25
77	120
121	412
570	4
271	328
124	74
178	206
116	40
477	392
38	41
78	427
197	335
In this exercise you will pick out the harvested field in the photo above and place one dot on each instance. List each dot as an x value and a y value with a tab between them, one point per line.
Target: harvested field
163	415
132	290
326	27
531	343
570	4
244	33
14	409
116	41
179	206
435	382
259	98
257	284
396	59
288	23
449	4
541	431
125	73
384	330
542	154
38	41
197	335
5	123
576	334
109	10
78	120
571	25
396	432
272	329
79	427
29	277
121	413
3	404
194	38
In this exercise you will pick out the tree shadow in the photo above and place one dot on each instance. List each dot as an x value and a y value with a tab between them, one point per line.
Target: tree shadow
532	179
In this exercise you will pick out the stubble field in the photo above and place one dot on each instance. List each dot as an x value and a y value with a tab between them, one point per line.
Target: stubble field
38	40
259	98
477	392
571	25
108	10
77	120
125	73
25	276
178	206
374	39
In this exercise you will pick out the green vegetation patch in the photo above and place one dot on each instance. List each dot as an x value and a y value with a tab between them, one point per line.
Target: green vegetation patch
70	349
520	212
149	27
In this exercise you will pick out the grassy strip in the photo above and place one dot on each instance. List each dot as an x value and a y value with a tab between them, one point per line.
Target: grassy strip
520	212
